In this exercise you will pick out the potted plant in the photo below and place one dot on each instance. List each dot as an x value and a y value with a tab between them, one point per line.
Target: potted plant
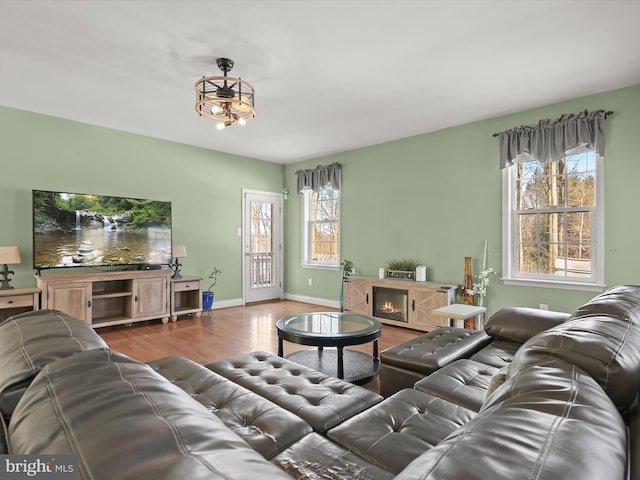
208	294
347	268
403	268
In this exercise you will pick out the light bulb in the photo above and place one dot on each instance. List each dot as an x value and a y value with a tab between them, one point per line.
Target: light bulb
220	126
242	121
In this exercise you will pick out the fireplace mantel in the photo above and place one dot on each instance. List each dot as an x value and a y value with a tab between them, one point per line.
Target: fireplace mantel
423	298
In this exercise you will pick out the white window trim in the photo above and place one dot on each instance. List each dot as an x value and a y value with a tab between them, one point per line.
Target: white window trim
510	277
306	241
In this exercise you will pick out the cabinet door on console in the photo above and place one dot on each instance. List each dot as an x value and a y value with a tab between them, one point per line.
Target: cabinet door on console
356	295
151	298
71	298
421	302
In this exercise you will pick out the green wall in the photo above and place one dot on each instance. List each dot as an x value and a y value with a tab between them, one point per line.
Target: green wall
204	186
437	197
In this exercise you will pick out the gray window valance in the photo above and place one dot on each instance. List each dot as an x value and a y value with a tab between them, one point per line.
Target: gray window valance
551	140
317	178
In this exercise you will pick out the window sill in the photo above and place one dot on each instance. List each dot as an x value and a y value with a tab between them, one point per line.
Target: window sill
521	282
320	267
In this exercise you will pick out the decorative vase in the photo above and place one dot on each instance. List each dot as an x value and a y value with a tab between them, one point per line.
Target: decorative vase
468	281
207	300
469	323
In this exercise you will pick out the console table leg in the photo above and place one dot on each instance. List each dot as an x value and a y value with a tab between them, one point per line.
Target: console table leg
340	363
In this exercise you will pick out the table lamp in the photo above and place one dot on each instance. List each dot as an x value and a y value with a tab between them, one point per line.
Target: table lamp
179	251
8	255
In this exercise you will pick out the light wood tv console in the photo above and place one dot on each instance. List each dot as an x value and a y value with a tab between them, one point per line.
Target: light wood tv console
108	298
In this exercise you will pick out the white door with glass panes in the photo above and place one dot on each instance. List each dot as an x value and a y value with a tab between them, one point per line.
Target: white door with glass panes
262	244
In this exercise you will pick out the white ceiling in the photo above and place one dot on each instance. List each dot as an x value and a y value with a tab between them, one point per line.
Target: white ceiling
330	76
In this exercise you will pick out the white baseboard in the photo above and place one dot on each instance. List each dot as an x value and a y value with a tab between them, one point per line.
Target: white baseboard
314	300
239	302
235	302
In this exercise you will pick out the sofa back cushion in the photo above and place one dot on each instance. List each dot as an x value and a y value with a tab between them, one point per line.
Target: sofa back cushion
519	324
125	421
602	338
30	341
547	422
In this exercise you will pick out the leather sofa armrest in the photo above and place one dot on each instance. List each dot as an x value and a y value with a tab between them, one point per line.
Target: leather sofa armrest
32	340
125	421
519	324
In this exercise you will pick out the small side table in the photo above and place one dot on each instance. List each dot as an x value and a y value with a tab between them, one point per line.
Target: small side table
18	300
470	315
186	297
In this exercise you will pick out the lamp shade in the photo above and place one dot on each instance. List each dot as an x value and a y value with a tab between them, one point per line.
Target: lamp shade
179	251
9	255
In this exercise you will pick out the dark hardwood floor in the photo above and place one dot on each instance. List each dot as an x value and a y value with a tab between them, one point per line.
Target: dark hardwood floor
225	333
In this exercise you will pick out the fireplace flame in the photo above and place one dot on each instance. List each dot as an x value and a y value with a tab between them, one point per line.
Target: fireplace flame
387	307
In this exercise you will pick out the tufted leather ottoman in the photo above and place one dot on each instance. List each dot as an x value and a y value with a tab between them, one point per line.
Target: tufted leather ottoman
322	401
265	426
401	428
464	381
404	364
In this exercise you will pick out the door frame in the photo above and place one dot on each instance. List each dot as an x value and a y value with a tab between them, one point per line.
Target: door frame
278	249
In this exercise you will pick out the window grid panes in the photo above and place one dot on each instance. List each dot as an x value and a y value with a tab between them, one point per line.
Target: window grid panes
322	230
554	206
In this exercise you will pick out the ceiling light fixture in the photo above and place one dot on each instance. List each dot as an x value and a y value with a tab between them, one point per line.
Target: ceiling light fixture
225	99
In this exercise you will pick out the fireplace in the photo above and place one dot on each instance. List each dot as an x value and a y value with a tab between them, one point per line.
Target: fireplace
391	303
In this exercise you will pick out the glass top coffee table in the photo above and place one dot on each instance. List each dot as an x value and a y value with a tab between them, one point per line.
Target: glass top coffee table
333	329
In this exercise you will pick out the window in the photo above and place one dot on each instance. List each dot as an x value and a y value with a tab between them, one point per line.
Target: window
321	223
553	223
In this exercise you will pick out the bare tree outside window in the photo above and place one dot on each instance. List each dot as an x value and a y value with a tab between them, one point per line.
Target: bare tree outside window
322	227
261	236
554	206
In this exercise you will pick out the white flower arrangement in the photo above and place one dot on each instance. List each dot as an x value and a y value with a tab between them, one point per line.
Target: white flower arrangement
480	287
484	280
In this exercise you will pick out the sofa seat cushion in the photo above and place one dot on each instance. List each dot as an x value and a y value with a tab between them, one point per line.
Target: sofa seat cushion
30	341
498	354
400	428
125	421
322	401
429	352
464	382
603	338
264	425
315	457
548	422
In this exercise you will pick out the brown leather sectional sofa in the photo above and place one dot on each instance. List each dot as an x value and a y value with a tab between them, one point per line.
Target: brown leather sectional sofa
539	398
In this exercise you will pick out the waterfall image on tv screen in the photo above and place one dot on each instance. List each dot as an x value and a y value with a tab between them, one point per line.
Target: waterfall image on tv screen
75	230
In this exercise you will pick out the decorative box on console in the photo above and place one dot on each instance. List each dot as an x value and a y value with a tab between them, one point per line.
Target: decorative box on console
401	274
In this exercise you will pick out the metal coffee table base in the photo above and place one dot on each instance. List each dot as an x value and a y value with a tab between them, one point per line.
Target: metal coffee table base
357	367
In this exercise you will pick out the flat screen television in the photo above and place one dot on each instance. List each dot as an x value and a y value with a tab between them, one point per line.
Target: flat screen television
79	230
